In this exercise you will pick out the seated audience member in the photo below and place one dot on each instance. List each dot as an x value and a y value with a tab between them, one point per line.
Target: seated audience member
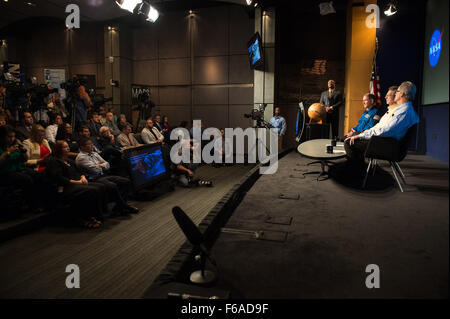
23	131
367	120
224	147
184	173
96	168
65	134
390	100
113	128
150	134
87	200
94	124
395	126
111	152
85	132
126	139
13	172
122	120
157	122
102	115
3	119
51	130
37	148
56	106
166	127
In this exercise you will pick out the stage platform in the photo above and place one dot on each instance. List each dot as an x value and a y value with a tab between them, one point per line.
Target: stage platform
318	241
121	259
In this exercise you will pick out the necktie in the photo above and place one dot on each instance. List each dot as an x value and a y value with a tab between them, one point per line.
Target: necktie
129	140
153	133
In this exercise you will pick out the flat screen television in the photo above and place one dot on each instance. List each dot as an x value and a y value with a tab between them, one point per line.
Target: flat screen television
255	52
146	165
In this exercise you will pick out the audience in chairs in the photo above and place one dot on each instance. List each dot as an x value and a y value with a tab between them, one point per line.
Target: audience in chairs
111	124
37	148
87	200
96	168
390	126
94	124
13	172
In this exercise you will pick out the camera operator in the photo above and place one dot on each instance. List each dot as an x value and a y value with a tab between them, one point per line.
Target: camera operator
13	172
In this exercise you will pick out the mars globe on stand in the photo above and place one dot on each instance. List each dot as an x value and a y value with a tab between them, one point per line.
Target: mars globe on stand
316	113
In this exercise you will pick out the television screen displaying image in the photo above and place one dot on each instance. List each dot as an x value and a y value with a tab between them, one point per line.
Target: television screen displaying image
146	165
255	52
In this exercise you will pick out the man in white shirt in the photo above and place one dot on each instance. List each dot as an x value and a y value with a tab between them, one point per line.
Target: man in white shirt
95	168
405	116
51	130
150	134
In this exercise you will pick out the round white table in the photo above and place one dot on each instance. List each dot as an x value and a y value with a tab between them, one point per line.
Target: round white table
317	150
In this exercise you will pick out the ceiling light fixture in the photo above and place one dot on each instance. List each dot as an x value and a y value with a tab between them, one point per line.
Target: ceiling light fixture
128	5
148	11
249	2
391	9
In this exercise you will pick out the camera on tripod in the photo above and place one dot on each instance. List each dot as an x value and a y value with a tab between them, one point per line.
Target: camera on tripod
257	115
72	86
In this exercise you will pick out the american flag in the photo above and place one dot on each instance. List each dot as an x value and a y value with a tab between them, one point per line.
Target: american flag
374	87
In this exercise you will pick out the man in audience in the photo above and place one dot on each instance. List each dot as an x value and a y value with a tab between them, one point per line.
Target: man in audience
150	134
23	131
51	130
94	124
111	152
395	126
157	122
95	168
3	119
102	115
367	119
111	124
85	132
126	139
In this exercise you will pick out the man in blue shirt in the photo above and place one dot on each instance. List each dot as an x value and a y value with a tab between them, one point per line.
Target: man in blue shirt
367	119
278	122
405	116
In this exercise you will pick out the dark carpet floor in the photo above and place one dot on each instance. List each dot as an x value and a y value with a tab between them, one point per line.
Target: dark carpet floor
121	259
336	231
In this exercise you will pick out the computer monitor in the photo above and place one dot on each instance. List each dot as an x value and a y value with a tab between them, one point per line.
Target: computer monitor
146	165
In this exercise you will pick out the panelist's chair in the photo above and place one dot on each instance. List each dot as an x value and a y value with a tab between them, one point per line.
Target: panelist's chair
391	150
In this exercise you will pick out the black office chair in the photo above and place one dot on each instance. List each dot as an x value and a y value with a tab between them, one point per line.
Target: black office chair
391	150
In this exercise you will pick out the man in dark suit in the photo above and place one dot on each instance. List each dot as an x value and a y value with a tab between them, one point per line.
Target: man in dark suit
94	124
332	100
23	131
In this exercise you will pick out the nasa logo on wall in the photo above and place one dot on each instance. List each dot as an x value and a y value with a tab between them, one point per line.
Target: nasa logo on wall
435	48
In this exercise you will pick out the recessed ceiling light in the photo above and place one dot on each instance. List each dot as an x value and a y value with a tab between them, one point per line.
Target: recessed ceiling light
31	4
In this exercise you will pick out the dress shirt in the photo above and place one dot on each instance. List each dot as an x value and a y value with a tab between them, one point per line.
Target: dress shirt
50	132
279	123
88	163
397	126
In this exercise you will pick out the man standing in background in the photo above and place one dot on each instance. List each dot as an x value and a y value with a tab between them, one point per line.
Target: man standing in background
278	122
332	100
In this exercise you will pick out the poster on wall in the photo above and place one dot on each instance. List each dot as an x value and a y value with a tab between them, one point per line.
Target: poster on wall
136	90
54	78
12	71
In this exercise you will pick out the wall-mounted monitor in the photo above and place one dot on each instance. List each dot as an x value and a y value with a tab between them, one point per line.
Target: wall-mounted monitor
255	52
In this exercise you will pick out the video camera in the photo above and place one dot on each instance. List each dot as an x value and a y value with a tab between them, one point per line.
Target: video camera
72	86
99	100
257	115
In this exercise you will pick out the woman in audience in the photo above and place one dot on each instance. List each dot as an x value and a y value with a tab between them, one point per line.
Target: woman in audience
87	199
166	128
65	133
13	172
37	148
